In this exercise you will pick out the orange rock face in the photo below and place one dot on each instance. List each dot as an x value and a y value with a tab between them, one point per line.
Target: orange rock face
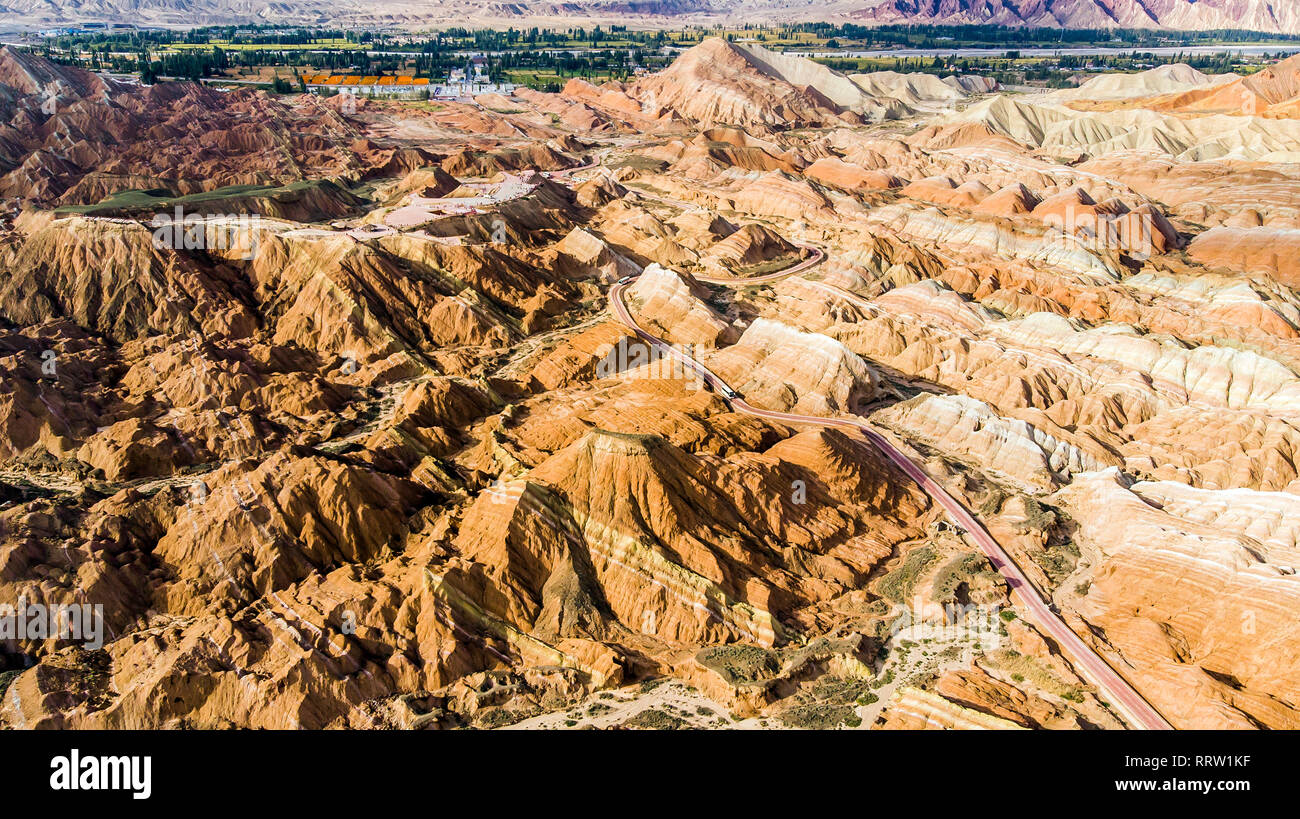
604	397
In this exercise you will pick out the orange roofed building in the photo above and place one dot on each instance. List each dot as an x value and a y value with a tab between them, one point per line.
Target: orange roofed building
396	85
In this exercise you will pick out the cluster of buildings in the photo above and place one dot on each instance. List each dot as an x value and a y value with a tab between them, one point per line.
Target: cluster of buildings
85	28
373	85
469	81
404	86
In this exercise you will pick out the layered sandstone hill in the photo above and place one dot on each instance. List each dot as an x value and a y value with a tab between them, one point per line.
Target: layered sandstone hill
71	136
796	372
1012	449
672	306
920	89
1171	111
720	87
1059	129
607	533
385	455
1171	531
1273	92
1165	79
1273	252
750	248
720	82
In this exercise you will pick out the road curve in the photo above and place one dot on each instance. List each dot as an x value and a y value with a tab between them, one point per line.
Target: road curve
818	256
1115	689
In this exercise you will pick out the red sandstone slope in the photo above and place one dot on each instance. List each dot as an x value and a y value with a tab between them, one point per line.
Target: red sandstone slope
70	136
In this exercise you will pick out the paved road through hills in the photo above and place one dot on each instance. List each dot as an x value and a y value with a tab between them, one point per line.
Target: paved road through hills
1113	688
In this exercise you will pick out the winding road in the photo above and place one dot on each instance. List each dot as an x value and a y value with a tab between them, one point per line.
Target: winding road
1114	689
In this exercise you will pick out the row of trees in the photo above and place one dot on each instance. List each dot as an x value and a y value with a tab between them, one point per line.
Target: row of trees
196	64
1055	72
838	34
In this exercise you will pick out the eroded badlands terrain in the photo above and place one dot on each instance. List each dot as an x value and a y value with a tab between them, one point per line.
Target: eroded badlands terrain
371	446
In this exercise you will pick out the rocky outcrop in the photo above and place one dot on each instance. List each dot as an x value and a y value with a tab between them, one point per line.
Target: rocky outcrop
1009	448
1175	645
674	306
780	368
85	149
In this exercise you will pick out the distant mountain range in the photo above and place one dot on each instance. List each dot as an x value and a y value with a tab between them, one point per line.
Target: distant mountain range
1281	16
